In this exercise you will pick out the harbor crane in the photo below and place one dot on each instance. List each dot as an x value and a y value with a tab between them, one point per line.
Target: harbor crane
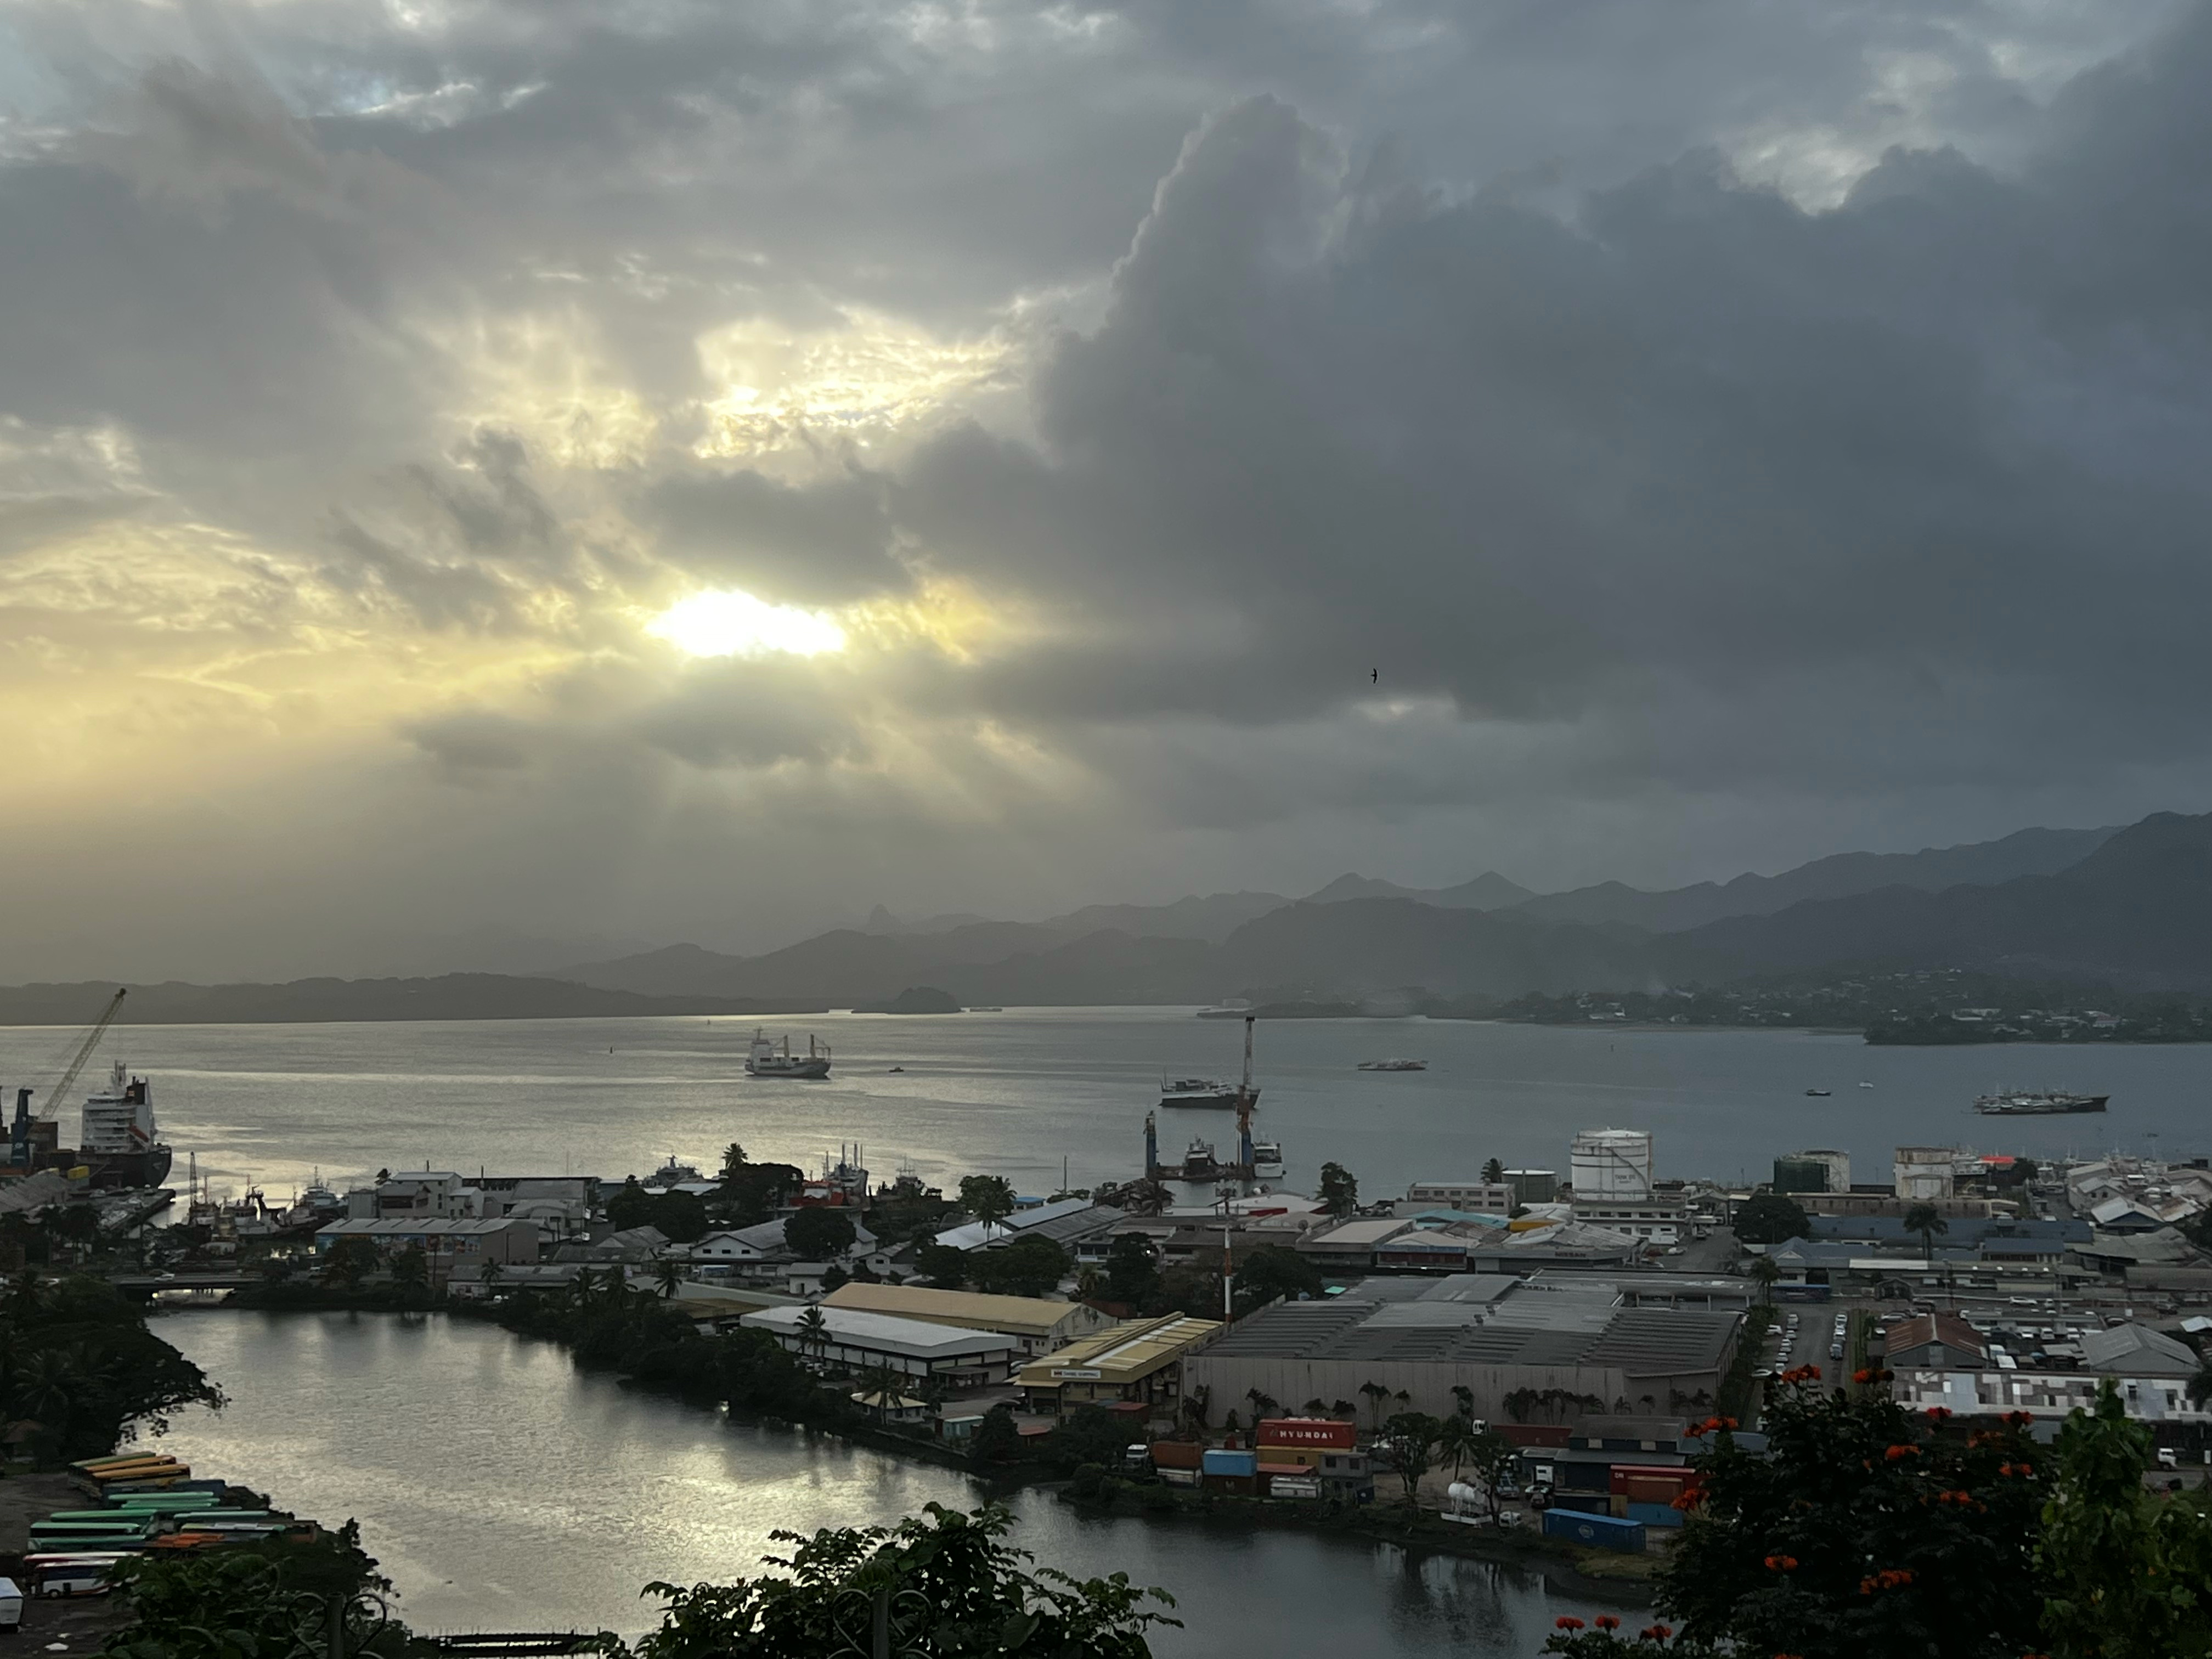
21	1148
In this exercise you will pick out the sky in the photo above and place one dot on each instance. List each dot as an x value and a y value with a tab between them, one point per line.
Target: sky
621	472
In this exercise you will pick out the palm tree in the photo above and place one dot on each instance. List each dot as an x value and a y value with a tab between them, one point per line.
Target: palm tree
1342	1408
1456	1438
490	1278
1463	1398
813	1333
25	1293
1493	1173
885	1385
1375	1393
1263	1403
47	1388
1316	1407
668	1274
1928	1221
1764	1271
2200	1386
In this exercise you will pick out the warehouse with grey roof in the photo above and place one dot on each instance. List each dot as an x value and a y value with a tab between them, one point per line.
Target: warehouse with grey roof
1491	1334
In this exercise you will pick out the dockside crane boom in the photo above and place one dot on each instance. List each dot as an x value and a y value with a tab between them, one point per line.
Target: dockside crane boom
21	1144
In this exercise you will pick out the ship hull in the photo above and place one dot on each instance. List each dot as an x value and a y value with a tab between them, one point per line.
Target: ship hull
2055	1108
804	1069
1223	1101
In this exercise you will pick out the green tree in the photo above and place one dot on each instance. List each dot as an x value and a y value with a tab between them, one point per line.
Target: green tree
246	1599
1269	1272
942	1584
819	1233
733	1163
681	1217
2127	1574
882	1386
986	1198
1862	1531
1028	1266
668	1274
813	1333
1928	1221
350	1260
410	1268
1133	1276
1340	1189
1765	1271
492	1272
997	1440
1495	1459
1406	1447
1771	1218
944	1266
1493	1172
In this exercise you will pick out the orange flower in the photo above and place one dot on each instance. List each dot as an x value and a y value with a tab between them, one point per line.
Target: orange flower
1568	1621
1782	1564
1939	1413
1896	1452
1862	1375
1607	1622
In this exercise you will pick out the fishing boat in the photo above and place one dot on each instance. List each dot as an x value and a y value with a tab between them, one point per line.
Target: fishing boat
765	1058
1820	1094
1393	1065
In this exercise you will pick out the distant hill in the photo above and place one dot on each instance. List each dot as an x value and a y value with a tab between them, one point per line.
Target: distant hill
1212	918
1353	947
2135	912
2029	853
449	996
1487	891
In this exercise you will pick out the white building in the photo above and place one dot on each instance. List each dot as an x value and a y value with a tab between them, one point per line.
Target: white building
1656	1221
1475	1197
1611	1166
1925	1172
851	1340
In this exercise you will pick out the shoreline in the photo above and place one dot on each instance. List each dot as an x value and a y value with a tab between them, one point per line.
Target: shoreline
1559	1564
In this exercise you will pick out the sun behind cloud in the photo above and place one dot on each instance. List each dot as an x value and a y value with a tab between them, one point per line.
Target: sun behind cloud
731	623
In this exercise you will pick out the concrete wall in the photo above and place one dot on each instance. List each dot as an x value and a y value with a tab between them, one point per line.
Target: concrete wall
1293	1381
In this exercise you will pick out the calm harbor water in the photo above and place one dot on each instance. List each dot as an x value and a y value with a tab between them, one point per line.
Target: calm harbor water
502	1489
1016	1093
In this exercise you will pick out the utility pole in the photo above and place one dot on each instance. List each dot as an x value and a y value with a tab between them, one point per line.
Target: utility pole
1226	1316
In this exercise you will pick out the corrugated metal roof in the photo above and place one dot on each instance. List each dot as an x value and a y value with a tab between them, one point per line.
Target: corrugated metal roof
1128	1354
1028	1315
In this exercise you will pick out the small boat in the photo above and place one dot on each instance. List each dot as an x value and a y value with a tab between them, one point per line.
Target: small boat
1393	1065
765	1059
898	1068
1866	1086
1267	1160
1820	1094
1199	1092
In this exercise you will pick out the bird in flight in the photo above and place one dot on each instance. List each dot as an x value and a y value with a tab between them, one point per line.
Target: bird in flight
1375	676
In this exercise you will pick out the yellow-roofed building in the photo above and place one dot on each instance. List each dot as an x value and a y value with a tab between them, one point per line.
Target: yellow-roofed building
1036	1325
1139	1361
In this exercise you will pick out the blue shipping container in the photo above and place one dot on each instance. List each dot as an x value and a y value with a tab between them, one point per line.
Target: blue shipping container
1602	1530
1220	1461
1655	1515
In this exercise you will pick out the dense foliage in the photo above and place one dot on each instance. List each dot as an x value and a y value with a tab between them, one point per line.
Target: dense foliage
2127	1574
268	1598
945	1583
1771	1218
77	1360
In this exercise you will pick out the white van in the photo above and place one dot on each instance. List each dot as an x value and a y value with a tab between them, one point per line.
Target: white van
11	1605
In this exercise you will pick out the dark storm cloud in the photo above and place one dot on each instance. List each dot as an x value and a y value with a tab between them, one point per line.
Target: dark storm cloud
1689	470
1700	444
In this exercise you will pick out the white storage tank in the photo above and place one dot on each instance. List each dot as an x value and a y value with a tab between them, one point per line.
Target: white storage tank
1612	1165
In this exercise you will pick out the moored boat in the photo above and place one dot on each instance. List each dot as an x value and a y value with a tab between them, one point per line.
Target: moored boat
2038	1103
1393	1065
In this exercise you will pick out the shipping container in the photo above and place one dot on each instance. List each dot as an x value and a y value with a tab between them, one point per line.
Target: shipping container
1655	1515
1602	1530
1319	1432
1220	1461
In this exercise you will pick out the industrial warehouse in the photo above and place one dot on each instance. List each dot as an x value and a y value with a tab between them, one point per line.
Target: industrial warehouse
1569	1338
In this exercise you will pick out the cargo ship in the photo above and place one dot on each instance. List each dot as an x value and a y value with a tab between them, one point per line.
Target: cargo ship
2041	1103
765	1059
